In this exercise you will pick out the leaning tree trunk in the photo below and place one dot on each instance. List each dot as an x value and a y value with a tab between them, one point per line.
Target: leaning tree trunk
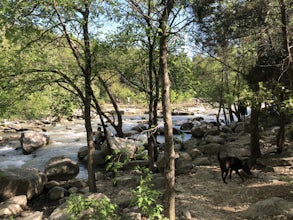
169	153
117	126
254	133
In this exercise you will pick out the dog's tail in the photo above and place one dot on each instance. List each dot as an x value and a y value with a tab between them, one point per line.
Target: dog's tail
219	159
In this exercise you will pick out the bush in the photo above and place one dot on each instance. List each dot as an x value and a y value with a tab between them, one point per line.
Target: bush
78	206
146	198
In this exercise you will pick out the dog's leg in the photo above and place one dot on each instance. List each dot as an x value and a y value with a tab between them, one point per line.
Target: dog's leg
224	175
230	173
239	175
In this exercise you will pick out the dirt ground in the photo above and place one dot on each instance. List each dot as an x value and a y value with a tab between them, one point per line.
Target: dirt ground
205	196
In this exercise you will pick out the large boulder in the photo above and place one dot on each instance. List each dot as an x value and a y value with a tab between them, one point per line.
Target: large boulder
122	145
183	163
191	143
214	139
61	168
186	126
210	149
267	208
30	141
19	181
198	131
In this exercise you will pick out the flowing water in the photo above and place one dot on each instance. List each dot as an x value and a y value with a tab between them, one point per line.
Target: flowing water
67	139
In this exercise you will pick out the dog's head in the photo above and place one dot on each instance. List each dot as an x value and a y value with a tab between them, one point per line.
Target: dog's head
246	168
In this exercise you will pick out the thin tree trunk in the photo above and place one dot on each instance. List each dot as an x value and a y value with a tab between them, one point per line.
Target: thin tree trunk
152	141
282	121
169	153
254	133
87	104
117	126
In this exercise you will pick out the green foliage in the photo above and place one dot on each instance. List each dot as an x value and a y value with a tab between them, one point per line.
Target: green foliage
146	198
116	161
39	104
77	206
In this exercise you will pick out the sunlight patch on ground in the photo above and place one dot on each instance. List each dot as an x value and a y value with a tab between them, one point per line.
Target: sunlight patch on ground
229	208
263	184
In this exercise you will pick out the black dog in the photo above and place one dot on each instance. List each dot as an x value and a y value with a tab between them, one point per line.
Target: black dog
228	164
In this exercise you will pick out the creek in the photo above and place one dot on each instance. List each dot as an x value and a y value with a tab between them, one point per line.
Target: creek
68	138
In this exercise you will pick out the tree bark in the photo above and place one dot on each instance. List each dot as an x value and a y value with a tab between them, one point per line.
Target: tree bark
169	153
254	133
282	123
152	137
87	104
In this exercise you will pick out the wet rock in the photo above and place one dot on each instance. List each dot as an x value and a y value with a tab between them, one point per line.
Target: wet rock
187	126
61	168
30	141
82	152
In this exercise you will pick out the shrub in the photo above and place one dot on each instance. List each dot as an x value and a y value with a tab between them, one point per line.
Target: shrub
146	198
78	206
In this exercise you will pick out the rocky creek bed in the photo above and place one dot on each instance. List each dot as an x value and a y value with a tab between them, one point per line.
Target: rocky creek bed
200	192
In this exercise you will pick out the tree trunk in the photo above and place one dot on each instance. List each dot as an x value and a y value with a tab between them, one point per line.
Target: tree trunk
152	138
254	133
88	100
281	132
169	153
